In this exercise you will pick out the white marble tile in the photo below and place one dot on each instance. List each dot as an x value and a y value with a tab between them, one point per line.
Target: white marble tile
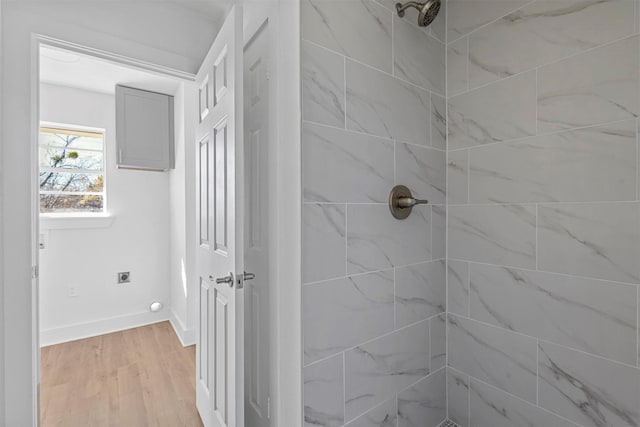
501	111
323	94
438	344
438	232
591	164
457	67
383	415
545	31
323	242
418	57
344	166
500	234
420	292
458	177
359	29
589	315
594	240
494	408
343	313
458	397
438	122
374	372
324	393
458	287
424	404
587	89
423	170
376	240
586	389
496	356
382	105
464	16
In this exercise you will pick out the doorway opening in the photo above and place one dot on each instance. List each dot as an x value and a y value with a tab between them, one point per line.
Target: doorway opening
118	291
116	312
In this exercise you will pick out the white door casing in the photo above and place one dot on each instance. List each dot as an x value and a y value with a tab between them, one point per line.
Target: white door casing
258	195
220	253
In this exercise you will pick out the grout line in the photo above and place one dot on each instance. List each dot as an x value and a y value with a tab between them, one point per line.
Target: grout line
393	45
429	334
491	22
344	386
543	203
346	276
468	379
545	272
364	64
395	305
344	81
537	372
468	165
519	73
346	241
468	285
385	138
536	231
468	72
486	384
552	133
537	94
542	340
431	234
371	340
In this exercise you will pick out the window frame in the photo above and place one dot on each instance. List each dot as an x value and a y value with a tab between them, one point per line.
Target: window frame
76	128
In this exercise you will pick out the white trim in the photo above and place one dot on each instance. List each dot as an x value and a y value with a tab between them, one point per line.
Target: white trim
100	327
186	336
66	222
113	57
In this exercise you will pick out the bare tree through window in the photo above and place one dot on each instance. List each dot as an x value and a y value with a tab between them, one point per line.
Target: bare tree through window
71	170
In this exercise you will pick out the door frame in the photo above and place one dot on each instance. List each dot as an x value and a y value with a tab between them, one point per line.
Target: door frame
286	310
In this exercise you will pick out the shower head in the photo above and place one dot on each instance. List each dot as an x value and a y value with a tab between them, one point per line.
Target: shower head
427	10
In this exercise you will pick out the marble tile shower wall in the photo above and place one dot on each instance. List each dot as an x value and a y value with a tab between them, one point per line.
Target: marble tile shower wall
543	213
374	290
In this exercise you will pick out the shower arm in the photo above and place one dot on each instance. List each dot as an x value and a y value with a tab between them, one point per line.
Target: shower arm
402	7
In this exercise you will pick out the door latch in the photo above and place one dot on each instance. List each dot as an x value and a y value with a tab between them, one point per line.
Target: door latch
243	277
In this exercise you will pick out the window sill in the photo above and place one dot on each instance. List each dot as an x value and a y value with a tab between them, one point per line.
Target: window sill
63	222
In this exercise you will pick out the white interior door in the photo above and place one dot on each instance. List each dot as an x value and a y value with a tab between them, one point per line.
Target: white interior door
220	255
257	238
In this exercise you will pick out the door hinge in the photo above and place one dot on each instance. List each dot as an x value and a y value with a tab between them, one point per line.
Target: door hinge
268	407
35	272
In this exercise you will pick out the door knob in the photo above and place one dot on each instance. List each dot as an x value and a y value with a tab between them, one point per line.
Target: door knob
226	279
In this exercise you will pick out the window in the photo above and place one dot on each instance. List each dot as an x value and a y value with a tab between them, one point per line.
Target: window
71	170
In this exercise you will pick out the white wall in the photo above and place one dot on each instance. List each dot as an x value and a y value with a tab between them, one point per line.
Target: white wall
89	258
183	286
20	20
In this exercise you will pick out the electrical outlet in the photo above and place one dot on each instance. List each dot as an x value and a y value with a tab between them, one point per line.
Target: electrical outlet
124	277
72	291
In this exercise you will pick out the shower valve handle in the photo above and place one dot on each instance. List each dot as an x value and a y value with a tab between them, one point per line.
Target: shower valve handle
409	202
401	202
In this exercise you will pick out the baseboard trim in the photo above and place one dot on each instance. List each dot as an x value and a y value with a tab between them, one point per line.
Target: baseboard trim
186	336
100	327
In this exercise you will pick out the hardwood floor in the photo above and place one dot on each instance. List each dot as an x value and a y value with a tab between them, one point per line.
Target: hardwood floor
134	378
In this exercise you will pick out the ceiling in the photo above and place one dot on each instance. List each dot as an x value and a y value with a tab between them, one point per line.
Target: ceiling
65	68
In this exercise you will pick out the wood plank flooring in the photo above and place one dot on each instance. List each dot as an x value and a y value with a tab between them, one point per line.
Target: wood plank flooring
134	378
